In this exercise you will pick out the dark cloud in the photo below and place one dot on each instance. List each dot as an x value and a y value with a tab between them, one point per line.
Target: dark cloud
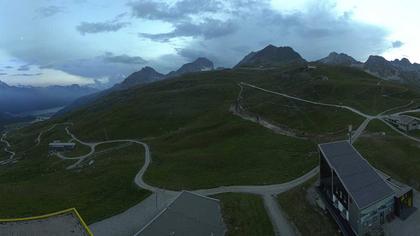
24	68
107	67
153	10
208	29
123	59
27	74
1	74
397	44
192	54
313	33
99	27
49	11
8	67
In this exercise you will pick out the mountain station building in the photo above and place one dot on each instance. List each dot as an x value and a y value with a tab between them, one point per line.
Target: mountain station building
359	197
58	146
404	122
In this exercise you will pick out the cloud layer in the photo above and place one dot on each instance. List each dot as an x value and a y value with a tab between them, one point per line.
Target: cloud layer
107	40
99	27
231	29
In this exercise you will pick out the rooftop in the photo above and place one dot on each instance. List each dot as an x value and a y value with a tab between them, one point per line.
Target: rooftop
359	178
189	214
67	222
62	144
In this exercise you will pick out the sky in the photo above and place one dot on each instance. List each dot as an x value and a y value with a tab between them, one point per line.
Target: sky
100	42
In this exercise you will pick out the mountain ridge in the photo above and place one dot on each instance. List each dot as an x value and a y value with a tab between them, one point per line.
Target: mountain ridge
144	76
29	98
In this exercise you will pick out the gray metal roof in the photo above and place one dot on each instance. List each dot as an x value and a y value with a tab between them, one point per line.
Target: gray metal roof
189	214
61	144
359	178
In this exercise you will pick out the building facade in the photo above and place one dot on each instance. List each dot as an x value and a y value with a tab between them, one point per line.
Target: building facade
404	122
361	198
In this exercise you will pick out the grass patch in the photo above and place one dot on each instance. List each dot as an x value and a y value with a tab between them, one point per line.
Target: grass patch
392	153
308	119
347	86
414	133
232	153
40	184
414	114
244	214
79	150
304	215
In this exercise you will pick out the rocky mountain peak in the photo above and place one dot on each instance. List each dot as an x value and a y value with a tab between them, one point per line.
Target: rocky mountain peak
335	58
271	56
200	64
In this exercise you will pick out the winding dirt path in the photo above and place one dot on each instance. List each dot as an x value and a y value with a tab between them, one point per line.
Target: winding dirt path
6	149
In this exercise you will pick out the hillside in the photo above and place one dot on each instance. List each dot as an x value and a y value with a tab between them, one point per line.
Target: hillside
195	139
7	118
145	76
187	116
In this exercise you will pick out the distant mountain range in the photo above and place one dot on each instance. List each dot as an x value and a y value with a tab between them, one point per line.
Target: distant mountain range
145	76
271	56
400	70
17	99
149	75
268	57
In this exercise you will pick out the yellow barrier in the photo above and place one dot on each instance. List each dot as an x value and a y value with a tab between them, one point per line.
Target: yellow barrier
50	215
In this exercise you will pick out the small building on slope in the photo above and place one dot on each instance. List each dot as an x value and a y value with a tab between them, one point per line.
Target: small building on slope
404	122
58	146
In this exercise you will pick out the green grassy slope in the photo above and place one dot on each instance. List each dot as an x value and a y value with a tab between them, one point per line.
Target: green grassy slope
392	153
233	153
415	114
40	184
305	216
195	141
347	86
244	215
305	119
